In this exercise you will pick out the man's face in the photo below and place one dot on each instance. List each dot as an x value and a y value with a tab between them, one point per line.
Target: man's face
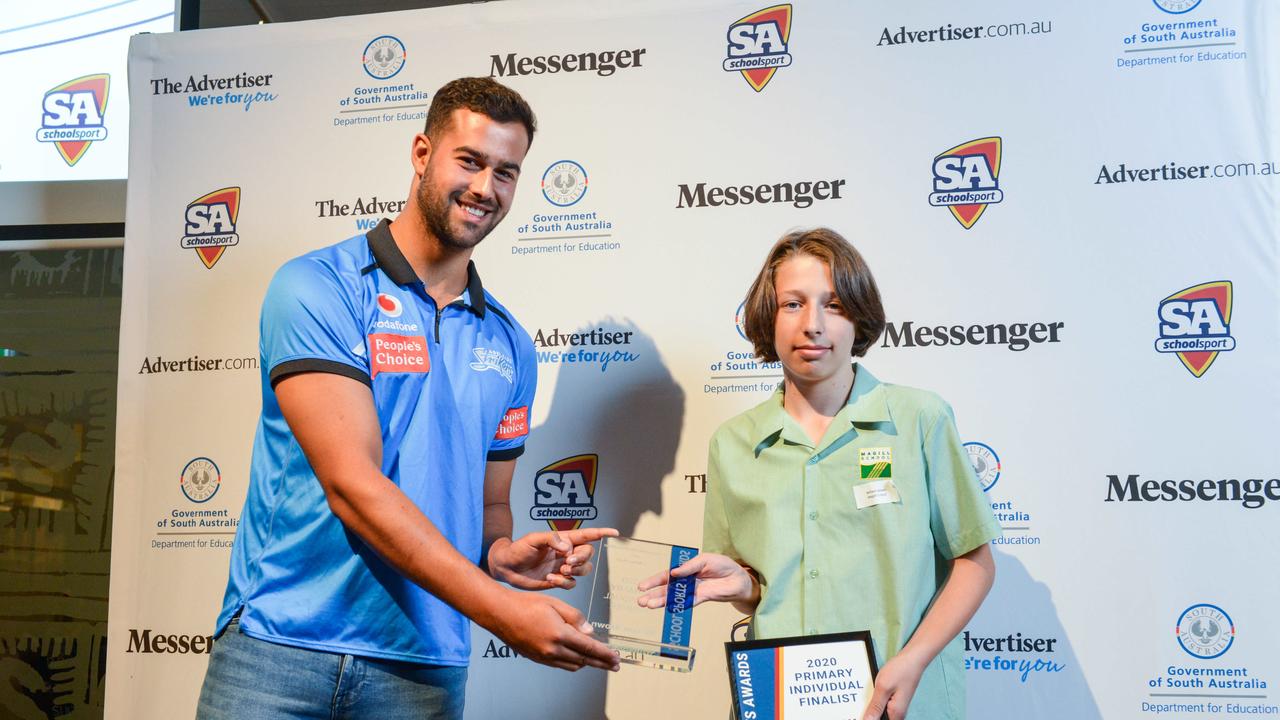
811	334
470	178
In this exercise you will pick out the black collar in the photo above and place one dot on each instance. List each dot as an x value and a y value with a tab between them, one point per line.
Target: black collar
387	256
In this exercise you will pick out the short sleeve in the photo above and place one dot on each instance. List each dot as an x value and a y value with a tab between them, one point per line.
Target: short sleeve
508	441
960	515
310	323
715	524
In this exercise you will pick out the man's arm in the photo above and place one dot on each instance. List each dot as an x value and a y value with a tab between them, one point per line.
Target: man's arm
336	424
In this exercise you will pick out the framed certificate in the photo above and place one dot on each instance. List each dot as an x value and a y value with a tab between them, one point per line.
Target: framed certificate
811	677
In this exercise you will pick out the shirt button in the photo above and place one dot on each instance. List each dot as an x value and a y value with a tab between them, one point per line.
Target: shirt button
813	573
813	461
813	515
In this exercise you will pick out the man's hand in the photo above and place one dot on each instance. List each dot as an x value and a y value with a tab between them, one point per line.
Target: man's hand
549	631
895	685
720	578
543	560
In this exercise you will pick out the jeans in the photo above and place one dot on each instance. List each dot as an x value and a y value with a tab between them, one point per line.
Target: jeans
253	679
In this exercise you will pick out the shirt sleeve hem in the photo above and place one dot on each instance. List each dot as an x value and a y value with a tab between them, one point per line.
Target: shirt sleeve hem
965	542
505	454
305	365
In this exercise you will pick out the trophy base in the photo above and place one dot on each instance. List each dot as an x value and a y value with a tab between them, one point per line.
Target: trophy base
646	653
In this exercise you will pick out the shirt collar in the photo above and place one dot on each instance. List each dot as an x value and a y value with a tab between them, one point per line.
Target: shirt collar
866	404
387	256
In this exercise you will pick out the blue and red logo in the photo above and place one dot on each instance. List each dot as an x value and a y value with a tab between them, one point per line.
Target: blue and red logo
966	179
1195	323
758	45
73	116
210	226
564	492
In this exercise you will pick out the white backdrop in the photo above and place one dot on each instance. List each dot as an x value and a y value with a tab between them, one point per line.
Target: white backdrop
1137	162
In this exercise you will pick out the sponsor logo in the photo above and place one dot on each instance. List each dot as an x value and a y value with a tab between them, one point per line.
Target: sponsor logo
564	183
602	346
740	320
495	360
739	371
1016	336
390	305
1195	324
950	33
603	63
495	649
200	480
1028	656
986	464
393	353
242	90
1123	174
367	212
1251	493
1182	40
141	640
799	195
73	116
383	57
515	423
966	179
1205	631
875	463
211	225
564	492
195	363
758	45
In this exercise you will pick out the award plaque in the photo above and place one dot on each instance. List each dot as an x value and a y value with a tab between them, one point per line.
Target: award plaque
642	636
814	677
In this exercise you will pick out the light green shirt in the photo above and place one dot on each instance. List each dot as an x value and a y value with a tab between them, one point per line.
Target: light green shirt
786	508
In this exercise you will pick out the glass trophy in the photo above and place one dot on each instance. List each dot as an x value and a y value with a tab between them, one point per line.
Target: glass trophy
656	638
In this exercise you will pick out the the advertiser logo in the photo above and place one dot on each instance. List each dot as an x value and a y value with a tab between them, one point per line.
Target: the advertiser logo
211	225
966	179
951	33
1025	656
1195	324
366	211
986	464
564	492
601	347
73	116
383	57
141	640
200	480
1205	631
1014	336
602	62
391	353
564	183
390	305
758	45
242	90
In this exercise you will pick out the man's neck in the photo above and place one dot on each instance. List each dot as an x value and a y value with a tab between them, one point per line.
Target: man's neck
442	270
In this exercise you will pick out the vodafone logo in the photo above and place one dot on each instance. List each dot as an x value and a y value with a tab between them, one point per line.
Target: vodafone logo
390	305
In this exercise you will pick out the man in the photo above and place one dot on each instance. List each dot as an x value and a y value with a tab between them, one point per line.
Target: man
396	396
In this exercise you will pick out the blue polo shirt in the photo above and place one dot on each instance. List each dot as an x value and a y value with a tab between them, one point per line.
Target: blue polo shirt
452	386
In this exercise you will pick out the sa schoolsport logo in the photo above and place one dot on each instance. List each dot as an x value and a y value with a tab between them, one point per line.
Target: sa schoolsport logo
966	179
73	116
758	45
564	492
211	224
1195	323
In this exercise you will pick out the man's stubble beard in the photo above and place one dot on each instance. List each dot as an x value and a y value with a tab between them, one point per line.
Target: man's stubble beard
435	206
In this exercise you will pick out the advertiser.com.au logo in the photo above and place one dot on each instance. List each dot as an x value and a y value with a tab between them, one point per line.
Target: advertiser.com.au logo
211	224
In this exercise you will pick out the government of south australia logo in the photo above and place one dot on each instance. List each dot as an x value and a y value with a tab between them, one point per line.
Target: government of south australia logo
1176	7
200	480
758	45
966	179
564	183
564	492
383	57
1205	631
211	224
1195	324
985	463
73	116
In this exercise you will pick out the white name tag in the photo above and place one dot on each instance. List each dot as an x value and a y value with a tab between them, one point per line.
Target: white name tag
875	492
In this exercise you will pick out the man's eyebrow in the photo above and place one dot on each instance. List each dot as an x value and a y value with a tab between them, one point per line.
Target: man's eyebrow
484	157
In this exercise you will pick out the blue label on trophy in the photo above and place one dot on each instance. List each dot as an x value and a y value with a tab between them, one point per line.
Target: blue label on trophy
754	673
679	615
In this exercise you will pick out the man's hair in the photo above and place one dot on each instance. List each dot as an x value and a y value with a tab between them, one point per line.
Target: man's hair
482	95
854	286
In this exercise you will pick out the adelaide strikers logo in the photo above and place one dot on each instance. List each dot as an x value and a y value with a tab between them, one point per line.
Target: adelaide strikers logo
1195	324
564	492
985	463
200	480
383	57
211	225
966	179
73	116
758	45
564	183
390	305
1205	631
